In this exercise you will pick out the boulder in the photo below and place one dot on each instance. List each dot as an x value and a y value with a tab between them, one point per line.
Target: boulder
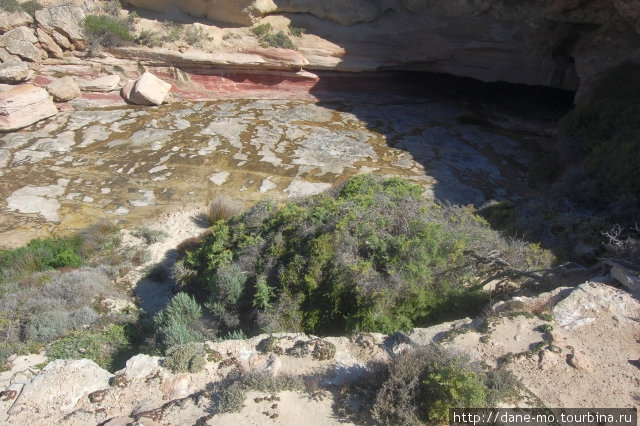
148	90
10	20
579	362
176	387
64	89
24	105
49	44
14	71
141	366
60	386
66	19
22	41
107	83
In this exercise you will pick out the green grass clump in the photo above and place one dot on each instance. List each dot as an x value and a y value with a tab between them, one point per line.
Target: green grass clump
106	31
372	256
296	31
151	236
108	348
262	29
31	7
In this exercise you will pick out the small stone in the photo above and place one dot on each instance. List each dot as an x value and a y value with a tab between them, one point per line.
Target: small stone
64	89
579	362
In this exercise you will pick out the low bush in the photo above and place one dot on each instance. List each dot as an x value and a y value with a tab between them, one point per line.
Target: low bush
31	7
106	31
189	357
175	323
262	29
296	31
229	395
10	5
108	348
280	40
149	38
195	35
421	385
372	256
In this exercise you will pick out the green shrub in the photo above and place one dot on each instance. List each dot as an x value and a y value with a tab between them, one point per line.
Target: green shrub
48	326
149	39
175	322
296	31
38	255
373	255
189	357
230	394
106	31
280	40
421	385
262	29
108	348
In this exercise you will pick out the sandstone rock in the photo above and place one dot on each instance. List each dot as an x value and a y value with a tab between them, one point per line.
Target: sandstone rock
22	41
71	379
5	56
61	40
149	90
48	44
64	89
107	83
9	20
126	90
176	387
23	106
626	275
65	19
548	360
583	305
141	366
14	71
579	362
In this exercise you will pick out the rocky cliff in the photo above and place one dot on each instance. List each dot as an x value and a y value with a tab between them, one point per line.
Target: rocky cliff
566	44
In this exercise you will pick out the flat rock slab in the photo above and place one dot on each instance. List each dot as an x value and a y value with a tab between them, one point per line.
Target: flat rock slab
24	105
107	83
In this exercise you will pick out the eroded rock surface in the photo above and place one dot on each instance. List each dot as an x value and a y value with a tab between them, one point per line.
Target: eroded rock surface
24	105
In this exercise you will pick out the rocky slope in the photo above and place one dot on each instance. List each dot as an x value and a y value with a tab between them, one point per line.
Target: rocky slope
591	337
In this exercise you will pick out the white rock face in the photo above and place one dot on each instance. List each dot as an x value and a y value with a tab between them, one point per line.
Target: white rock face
147	90
301	188
64	89
24	105
60	386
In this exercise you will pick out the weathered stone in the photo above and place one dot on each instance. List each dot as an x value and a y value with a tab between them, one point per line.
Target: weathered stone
61	40
107	83
14	71
120	421
126	90
64	89
579	362
176	387
5	56
48	44
72	380
22	41
149	90
582	306
65	19
23	106
141	366
627	276
13	20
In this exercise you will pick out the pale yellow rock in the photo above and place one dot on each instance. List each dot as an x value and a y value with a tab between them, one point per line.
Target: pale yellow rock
23	106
